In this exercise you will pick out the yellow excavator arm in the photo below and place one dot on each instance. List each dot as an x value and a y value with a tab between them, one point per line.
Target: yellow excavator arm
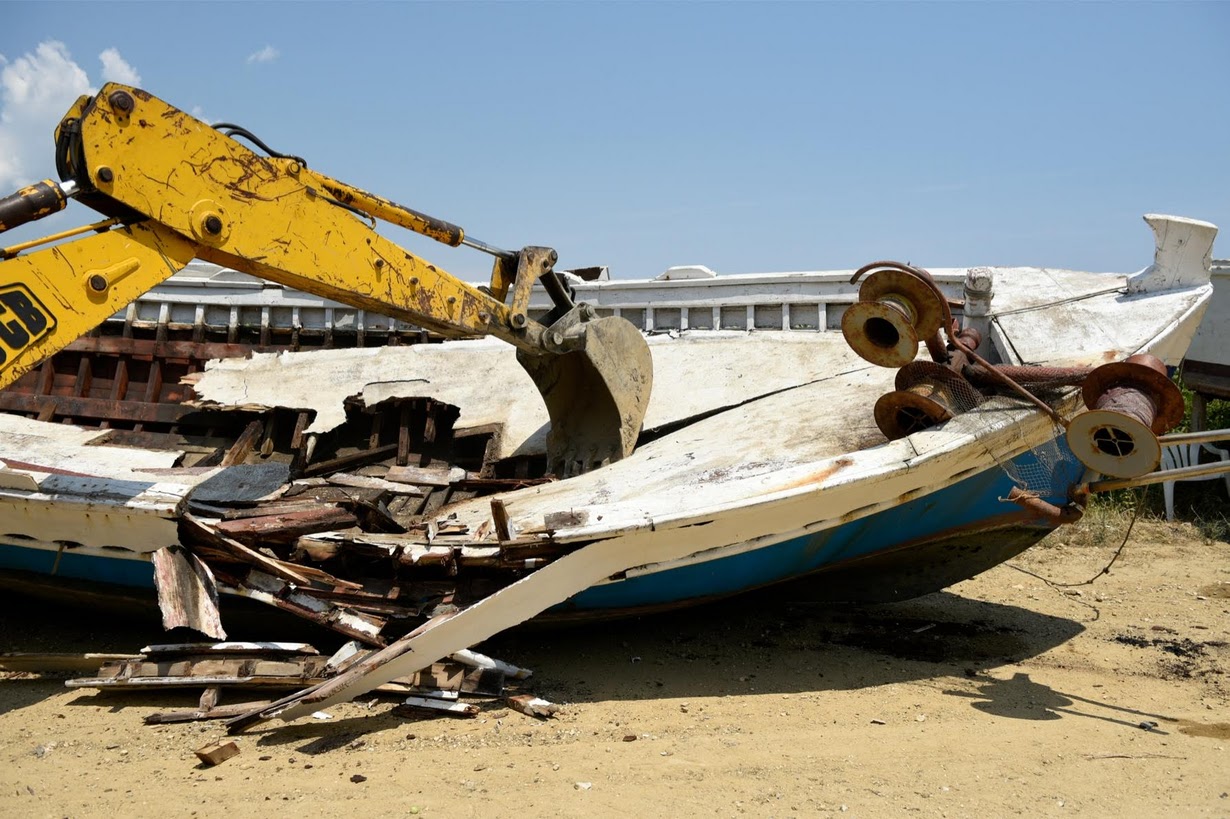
176	189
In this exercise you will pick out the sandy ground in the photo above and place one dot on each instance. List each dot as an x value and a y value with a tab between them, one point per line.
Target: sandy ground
1002	696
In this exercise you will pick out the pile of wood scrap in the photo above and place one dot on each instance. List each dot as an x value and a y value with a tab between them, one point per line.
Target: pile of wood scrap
350	530
351	552
218	668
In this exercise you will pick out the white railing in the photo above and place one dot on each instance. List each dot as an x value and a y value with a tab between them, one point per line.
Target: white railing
216	299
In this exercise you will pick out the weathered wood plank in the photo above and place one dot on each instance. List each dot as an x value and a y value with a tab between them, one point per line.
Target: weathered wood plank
217	752
200	714
199	351
31	663
97	408
287	527
193	530
187	592
499	514
452	709
360	458
243	445
368	482
276	592
426	475
229	648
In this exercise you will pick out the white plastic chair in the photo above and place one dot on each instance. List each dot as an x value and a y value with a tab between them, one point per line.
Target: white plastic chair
1180	455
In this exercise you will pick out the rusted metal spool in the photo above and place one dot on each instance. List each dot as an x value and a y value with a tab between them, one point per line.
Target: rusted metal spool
927	394
1130	403
895	311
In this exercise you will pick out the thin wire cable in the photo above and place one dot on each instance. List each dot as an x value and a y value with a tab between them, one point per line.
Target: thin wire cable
1140	502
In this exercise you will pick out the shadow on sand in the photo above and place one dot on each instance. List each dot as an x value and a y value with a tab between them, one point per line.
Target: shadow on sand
754	644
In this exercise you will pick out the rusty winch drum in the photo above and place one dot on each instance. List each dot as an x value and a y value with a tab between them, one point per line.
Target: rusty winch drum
927	395
894	312
1130	403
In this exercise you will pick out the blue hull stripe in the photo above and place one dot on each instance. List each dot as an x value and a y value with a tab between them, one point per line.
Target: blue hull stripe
960	506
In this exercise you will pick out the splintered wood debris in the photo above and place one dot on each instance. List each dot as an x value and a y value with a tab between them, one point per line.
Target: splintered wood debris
215	668
350	530
349	533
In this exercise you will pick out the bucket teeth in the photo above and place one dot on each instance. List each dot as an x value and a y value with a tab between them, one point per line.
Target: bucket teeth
596	394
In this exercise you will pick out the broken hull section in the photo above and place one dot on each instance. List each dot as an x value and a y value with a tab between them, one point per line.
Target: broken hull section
919	547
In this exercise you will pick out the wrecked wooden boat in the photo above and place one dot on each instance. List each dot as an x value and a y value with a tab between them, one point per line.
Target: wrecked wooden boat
241	437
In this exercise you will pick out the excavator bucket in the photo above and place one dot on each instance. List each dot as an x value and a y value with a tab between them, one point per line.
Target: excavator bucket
596	380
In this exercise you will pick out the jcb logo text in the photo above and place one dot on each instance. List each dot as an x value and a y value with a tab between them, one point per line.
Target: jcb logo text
23	320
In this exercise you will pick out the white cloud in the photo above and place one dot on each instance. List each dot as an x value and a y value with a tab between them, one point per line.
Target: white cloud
116	69
35	91
266	55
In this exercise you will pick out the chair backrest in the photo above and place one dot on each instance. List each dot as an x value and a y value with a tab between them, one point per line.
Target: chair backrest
1180	455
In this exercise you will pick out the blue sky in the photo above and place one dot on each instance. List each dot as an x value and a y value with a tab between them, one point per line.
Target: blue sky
747	137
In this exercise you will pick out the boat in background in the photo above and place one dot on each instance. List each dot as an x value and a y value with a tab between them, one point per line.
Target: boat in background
1206	367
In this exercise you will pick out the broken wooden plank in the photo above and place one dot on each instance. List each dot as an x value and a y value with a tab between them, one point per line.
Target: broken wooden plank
317	551
274	508
232	647
456	678
499	515
217	752
364	668
433	706
369	603
512	604
243	445
375	517
324	578
475	660
438	694
187	593
209	698
426	475
286	528
31	663
192	530
416	555
367	482
532	706
486	485
346	656
198	715
360	458
143	683
275	592
226	669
